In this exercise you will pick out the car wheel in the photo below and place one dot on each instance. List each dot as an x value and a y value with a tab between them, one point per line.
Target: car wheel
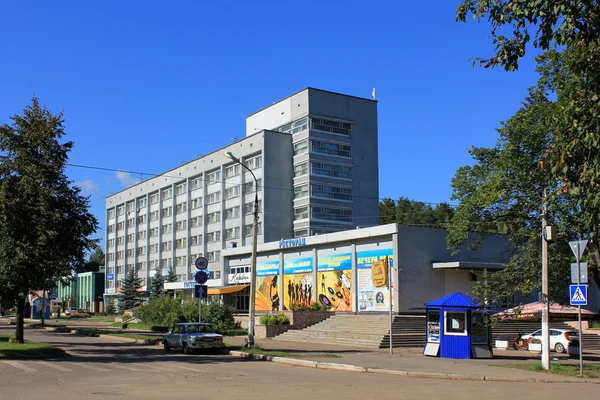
559	348
166	347
186	349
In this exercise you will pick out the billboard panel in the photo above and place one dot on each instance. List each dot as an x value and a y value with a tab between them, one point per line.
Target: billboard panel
372	268
334	280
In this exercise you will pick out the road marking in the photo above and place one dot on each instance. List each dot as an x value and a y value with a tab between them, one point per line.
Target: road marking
176	366
19	366
82	365
126	368
55	366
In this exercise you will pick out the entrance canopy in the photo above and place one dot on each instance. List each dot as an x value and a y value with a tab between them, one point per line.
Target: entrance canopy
226	289
467	265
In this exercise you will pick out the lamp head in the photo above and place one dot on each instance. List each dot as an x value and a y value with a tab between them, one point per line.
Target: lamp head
230	156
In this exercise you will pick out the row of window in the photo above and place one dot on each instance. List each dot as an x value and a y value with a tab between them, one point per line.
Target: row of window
323	169
323	191
323	147
327	213
320	124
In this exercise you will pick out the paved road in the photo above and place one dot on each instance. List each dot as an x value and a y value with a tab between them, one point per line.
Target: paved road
101	368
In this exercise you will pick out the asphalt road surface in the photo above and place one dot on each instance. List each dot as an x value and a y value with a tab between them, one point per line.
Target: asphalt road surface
99	368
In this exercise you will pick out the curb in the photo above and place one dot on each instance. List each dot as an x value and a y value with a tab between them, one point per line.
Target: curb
410	374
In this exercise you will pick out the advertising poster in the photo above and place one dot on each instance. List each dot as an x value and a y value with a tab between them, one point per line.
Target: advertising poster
433	326
372	268
267	289
298	285
334	281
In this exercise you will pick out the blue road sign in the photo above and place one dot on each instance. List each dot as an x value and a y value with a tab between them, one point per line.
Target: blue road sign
201	277
53	296
201	291
110	277
578	295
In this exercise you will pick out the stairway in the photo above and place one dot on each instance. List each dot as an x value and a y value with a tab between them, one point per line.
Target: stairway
408	331
356	330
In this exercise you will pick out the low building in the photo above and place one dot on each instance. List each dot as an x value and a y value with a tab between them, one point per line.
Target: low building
85	291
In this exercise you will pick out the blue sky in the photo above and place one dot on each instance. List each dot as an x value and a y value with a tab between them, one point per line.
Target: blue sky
146	85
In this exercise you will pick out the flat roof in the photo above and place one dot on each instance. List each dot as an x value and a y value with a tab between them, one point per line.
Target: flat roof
311	88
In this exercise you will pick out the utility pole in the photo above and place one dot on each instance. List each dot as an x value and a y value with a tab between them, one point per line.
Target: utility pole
545	288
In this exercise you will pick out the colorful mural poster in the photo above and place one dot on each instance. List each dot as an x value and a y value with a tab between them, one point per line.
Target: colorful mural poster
297	282
334	280
372	268
267	289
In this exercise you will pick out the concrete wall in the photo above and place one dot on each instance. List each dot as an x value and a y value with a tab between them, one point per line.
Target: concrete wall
279	113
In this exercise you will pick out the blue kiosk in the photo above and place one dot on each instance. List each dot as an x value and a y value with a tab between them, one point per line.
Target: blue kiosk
456	328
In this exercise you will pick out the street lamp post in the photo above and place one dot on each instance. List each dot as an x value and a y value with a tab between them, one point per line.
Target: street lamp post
253	259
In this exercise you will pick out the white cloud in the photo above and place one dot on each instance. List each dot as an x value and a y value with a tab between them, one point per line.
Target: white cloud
126	179
88	186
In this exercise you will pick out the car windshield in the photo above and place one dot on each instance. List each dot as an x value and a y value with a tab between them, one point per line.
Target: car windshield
198	328
572	333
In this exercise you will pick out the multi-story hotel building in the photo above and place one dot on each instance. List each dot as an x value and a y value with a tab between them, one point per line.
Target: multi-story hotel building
315	158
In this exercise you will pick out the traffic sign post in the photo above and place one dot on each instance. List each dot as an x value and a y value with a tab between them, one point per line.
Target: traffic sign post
201	263
200	292
578	293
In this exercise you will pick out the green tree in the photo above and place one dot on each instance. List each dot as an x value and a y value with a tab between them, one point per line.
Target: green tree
157	286
111	308
130	297
410	212
172	276
45	224
94	261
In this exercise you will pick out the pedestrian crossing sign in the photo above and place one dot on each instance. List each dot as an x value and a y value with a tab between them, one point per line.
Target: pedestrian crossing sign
578	295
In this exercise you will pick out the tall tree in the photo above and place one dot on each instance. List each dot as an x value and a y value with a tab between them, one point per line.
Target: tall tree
45	224
157	286
130	297
410	212
94	262
172	276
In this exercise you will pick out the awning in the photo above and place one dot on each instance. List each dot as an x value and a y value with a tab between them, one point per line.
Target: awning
467	265
226	289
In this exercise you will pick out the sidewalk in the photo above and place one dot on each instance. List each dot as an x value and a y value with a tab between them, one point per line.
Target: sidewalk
411	362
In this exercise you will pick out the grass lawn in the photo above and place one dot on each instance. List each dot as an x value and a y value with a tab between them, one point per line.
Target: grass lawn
93	318
277	353
27	350
589	370
140	336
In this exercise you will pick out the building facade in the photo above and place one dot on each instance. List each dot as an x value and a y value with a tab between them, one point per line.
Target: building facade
314	156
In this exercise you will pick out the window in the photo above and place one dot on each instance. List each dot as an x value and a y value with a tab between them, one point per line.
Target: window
332	170
250	228
331	192
111	242
332	214
130	206
120	210
167	193
130	252
214	197
111	213
334	149
141	219
130	237
120	240
142	235
301	147
120	226
327	125
215	274
181	188
232	192
154	215
181	243
300	169
197	203
166	246
196	221
111	228
141	251
250	186
111	256
119	271
214	177
167	262
456	323
214	217
213	236
120	254
295	127
154	198
167	212
181	260
153	232
196	240
167	228
214	255
131	222
249	207
154	248
300	233
196	183
254	163
232	233
181	225
300	191
140	266
233	170
180	208
141	202
300	213
233	212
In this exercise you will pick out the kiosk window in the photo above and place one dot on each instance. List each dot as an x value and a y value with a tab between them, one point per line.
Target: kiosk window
433	326
456	323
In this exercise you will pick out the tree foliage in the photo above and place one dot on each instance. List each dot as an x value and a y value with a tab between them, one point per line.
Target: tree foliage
171	276
94	262
45	225
111	308
157	286
130	297
410	212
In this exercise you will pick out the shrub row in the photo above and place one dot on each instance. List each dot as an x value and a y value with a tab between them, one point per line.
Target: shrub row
274	319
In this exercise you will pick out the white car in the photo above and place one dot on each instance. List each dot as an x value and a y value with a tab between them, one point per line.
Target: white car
192	336
559	338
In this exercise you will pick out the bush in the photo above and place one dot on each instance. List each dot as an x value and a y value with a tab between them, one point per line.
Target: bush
12	339
536	341
303	307
162	311
78	315
274	319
